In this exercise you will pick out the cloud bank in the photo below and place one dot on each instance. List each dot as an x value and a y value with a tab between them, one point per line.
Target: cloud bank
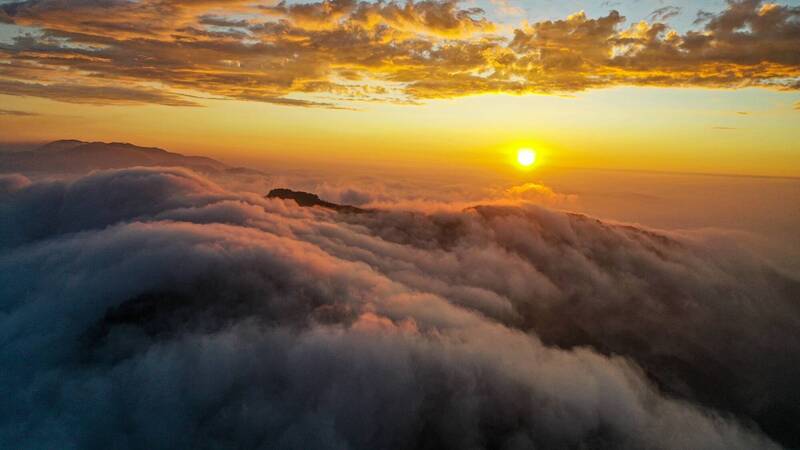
152	308
325	53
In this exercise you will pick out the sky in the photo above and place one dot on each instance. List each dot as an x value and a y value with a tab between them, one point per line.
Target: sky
708	87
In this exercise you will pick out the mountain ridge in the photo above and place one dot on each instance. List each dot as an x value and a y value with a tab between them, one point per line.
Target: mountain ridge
76	156
307	199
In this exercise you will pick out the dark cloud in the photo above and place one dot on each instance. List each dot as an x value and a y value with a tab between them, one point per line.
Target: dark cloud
322	53
152	308
664	13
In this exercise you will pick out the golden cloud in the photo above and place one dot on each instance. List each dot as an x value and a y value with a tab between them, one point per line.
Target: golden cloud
322	53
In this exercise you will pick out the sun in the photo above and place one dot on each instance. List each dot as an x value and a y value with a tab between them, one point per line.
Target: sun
526	157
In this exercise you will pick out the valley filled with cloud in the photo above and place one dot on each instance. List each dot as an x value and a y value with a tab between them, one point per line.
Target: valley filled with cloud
152	307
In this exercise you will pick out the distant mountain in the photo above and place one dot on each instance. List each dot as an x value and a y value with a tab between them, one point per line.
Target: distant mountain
309	199
58	146
71	156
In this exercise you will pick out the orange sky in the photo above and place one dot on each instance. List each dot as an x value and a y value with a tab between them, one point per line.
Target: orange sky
415	86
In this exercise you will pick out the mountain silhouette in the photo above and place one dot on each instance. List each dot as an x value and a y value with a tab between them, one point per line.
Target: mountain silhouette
307	199
73	156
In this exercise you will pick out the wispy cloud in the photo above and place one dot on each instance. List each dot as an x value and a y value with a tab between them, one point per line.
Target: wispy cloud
12	112
93	94
505	7
664	13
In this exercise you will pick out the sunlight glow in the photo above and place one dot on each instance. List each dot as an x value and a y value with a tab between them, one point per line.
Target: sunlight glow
526	157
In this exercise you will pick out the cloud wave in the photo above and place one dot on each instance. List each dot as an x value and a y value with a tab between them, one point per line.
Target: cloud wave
152	308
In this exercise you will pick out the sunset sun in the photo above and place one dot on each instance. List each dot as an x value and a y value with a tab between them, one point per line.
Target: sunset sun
526	157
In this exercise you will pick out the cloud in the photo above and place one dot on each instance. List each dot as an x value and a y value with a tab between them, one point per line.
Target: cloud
347	195
664	13
539	193
152	308
13	182
505	7
13	112
324	54
97	95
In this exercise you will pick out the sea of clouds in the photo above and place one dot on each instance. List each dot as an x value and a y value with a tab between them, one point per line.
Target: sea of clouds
153	308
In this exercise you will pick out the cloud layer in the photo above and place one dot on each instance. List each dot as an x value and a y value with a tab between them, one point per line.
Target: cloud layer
321	54
152	308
